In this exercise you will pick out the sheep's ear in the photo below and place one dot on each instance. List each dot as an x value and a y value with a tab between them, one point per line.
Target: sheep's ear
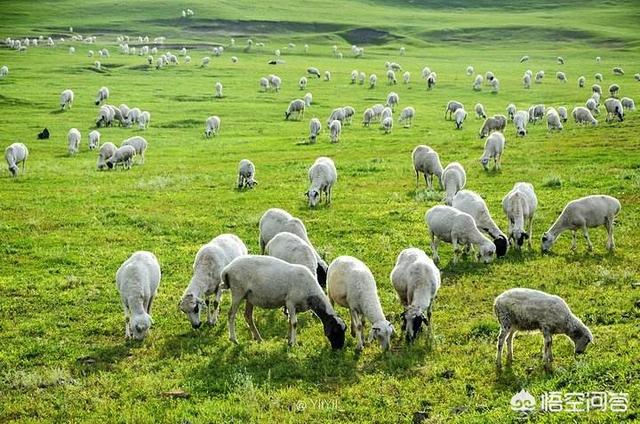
306	193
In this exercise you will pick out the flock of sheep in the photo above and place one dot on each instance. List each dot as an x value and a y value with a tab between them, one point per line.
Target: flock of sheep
289	273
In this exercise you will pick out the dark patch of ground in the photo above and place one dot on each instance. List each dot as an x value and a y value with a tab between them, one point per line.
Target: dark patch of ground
368	36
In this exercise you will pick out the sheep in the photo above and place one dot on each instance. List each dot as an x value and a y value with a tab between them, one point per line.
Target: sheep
373	80
493	148
386	113
596	97
205	61
295	106
139	144
416	279
387	124
377	110
520	122
427	161
618	71
348	113
264	84
327	76
354	76
480	113
367	117
315	127
103	95
491	124
4	71
269	283
15	154
322	177
614	109
582	115
392	100
187	59
402	50
598	77
137	281
524	59
426	71
406	116
218	87
526	310
560	76
234	59
592	105
519	205
469	71
361	78
560	60
453	226
313	71
586	212
470	202
206	281
453	180
553	120
97	65
134	115
94	139
614	89
477	83
351	284
143	120
336	114
489	76
495	85
66	99
106	151
406	77
73	139
459	116
635	76
302	83
123	155
628	103
563	114
335	128
595	88
511	111
294	250
539	77
72	50
581	82
452	106
431	80
598	59
536	113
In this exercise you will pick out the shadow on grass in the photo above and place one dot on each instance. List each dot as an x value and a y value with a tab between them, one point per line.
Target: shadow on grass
104	358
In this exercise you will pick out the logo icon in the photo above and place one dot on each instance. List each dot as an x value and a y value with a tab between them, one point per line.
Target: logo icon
523	401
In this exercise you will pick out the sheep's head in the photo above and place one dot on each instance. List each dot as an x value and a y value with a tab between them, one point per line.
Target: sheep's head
190	305
314	197
484	161
522	132
581	337
286	115
502	245
547	242
14	170
139	325
487	252
109	164
382	331
334	329
412	320
252	183
321	272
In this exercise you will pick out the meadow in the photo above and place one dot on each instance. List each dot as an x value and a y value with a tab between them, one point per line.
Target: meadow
65	227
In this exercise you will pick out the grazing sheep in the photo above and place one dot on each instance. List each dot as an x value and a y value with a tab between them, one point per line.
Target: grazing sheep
234	59
536	113
103	95
386	113
94	139
562	112
453	180
296	106
73	139
302	83
205	281
598	77
124	155
97	65
581	214
72	50
635	76
523	309
315	127
477	83
480	113
539	77
348	113
582	115
493	148
4	71
246	174
469	71
392	100
427	161
367	117
592	105
489	76
406	116
15	154
416	280
452	106
137	281
596	97
294	250
431	80
106	151
351	284
614	109
470	202
560	76
361	78
495	85
387	124
218	89
628	103
406	77
520	121
614	89
313	71
335	128
354	76
459	116
553	120
581	81
264	84
595	88
322	176
511	111
377	110
598	59
519	205
492	124
205	61
618	71
524	59
327	76
560	60
453	226
373	80
336	114
66	99
212	126
143	120
391	77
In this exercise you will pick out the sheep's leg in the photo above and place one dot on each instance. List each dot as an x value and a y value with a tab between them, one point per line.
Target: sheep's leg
456	250
585	232
530	233
235	304
418	178
149	305
510	335
574	244
547	357
501	338
248	317
354	323
240	181
212	318
609	224
359	330
434	248
293	324
428	179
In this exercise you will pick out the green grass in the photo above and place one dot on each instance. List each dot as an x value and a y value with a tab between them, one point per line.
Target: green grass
65	228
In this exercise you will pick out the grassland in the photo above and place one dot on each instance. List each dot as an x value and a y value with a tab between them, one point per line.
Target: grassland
65	228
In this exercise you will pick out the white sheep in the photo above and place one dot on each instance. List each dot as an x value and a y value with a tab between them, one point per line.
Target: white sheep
377	110
519	205
354	76
581	214
614	89
539	77
511	111
406	77
367	117
453	226
327	75
416	280
373	80
107	150
618	71
66	99
553	120
322	177
453	180
387	112
124	156
139	144
392	100
387	124
292	249
144	119
526	81
492	124
313	71
480	113
218	87
636	76
582	115
427	161
524	59
15	154
348	112
73	141
269	282
205	281
296	106
103	95
452	106
563	114
4	71
302	83
493	148
469	70
336	114
351	284
520	121
523	309
431	80
581	82
598	77
137	281
391	77
134	115
477	83
212	126
459	116
560	60
495	85
362	77
536	113
94	139
406	116
470	202
264	84
335	129
628	103
596	97
315	127
246	174
614	109
560	76
234	59
595	88
205	61
97	65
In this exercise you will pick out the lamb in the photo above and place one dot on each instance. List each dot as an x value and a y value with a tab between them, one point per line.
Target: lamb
495	123
351	284
452	106
427	161
480	113
295	106
477	83
458	228
459	116
94	139
470	202
563	114
270	283
132	118
526	310
139	144
406	77
586	212
292	249
493	148
511	111
539	77
391	77
73	139
520	122
582	115
367	117
618	71
592	105
406	116
218	89
373	80
314	129
302	83
387	124
581	82
469	71
335	128
628	103
264	84
15	154
103	95
553	120
392	100
560	76
453	180
614	109
66	99
206	281
137	281
416	280
123	155
4	71
143	120
107	150
614	89
327	76
322	176
313	71
519	206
